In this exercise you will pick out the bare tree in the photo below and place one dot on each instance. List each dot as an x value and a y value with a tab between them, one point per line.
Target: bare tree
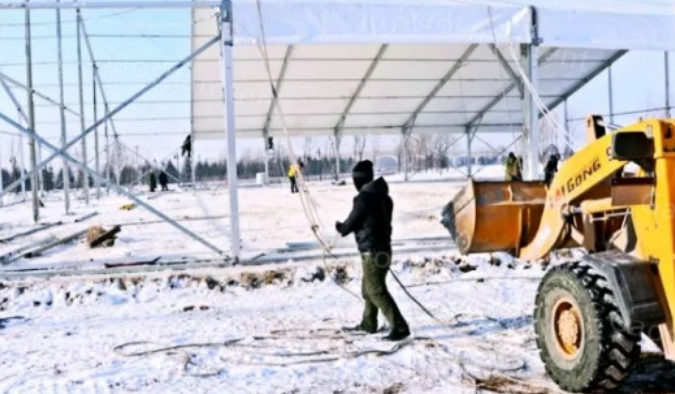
359	146
307	148
441	146
375	148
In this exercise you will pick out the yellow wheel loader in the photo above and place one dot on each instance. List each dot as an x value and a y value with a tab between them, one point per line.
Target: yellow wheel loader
614	198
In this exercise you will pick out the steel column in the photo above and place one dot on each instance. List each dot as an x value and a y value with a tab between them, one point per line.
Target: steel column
22	178
531	110
666	58
469	163
96	142
266	157
568	141
337	135
610	94
226	43
62	111
80	78
31	122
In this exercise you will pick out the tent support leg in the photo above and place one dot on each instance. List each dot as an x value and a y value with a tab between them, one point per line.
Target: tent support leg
226	42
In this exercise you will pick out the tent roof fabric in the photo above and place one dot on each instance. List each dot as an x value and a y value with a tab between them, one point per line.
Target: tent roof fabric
381	66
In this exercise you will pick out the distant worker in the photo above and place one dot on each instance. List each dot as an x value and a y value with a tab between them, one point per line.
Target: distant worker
187	147
513	172
370	221
551	169
293	172
163	181
153	182
520	168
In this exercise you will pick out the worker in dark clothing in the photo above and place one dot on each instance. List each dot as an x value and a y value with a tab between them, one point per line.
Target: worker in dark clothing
519	176
163	181
187	147
513	172
153	182
551	169
370	221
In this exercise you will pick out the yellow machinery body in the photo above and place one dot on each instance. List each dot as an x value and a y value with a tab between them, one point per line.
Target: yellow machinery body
594	202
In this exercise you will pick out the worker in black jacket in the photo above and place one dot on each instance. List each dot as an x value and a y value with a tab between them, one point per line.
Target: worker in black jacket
550	170
370	221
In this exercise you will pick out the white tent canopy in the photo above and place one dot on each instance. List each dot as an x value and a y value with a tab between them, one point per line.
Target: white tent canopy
385	66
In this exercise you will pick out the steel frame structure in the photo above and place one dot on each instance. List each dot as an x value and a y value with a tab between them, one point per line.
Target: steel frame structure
530	60
225	38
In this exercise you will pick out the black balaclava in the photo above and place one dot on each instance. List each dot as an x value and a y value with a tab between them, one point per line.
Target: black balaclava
363	173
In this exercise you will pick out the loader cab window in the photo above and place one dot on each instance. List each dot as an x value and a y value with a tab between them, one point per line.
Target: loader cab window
635	147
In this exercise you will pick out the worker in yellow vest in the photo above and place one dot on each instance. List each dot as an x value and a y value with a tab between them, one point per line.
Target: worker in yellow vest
292	176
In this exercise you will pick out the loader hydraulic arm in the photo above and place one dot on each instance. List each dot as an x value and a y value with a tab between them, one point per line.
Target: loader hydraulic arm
579	174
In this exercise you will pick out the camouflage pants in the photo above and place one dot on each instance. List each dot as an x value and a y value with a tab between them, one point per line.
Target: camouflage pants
375	293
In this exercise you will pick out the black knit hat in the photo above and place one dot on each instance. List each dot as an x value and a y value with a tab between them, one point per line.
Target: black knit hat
363	169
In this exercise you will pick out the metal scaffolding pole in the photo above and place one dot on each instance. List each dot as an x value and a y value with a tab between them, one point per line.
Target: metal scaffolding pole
106	106
193	165
227	41
567	123
62	112
118	109
530	109
405	136
266	152
666	58
97	164
31	122
80	79
41	173
610	93
108	167
338	140
469	163
22	161
92	173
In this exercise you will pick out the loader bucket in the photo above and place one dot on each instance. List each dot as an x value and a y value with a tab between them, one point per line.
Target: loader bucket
495	216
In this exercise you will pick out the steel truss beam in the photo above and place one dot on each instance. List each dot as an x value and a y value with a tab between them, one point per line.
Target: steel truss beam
6	78
277	89
108	4
506	92
505	65
586	79
458	64
362	84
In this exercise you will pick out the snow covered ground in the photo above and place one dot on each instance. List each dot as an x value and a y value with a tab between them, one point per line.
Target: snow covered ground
270	218
271	328
60	336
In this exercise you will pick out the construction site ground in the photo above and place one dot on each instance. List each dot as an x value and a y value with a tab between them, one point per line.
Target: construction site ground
267	326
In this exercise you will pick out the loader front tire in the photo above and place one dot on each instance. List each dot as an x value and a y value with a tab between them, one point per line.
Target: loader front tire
580	332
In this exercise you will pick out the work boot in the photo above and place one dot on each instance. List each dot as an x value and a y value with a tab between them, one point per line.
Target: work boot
397	335
358	328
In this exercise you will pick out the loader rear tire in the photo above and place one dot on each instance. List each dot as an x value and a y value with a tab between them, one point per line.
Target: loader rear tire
581	335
